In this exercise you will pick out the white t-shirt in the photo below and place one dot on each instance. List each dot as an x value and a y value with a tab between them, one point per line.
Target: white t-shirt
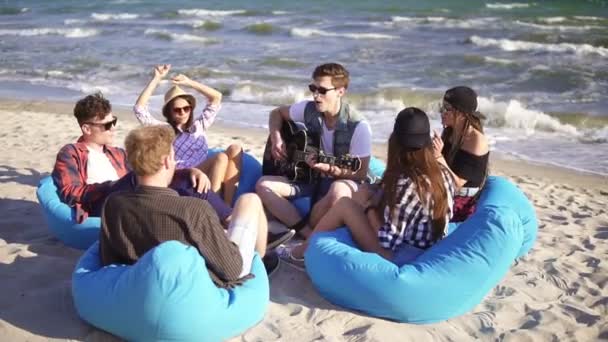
99	168
360	144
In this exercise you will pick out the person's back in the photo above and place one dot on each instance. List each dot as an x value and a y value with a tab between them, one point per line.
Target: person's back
133	222
140	218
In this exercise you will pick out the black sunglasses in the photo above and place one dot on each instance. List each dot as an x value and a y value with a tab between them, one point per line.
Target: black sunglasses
321	90
106	125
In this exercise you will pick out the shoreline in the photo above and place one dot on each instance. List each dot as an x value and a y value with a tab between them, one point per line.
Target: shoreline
500	164
555	292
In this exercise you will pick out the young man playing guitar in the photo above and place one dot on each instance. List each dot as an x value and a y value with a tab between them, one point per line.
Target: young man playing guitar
339	132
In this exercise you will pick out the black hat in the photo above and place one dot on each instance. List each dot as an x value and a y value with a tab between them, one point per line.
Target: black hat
464	99
412	129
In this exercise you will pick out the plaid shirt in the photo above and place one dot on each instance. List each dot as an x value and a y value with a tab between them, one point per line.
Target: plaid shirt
70	177
190	146
411	221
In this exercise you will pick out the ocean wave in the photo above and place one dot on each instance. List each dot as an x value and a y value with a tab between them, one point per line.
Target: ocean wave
180	37
70	22
561	28
589	18
262	28
209	13
68	33
13	10
306	33
444	22
254	93
114	16
507	6
552	20
518	45
501	61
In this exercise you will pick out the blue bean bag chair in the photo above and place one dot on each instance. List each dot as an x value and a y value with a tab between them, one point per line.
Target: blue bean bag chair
376	170
251	172
447	280
62	219
166	296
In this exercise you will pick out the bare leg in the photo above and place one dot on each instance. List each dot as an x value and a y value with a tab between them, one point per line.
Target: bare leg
350	213
234	153
215	168
337	190
273	191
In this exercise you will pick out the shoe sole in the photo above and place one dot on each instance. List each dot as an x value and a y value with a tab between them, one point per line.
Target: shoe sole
286	237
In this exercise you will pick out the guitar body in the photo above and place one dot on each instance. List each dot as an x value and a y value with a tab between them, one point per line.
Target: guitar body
296	139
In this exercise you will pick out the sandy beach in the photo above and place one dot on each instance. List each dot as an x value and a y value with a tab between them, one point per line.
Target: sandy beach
557	292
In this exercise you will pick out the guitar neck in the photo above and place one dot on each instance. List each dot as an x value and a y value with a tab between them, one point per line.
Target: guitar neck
351	163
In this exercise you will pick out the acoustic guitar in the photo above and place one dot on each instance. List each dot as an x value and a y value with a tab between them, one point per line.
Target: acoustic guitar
299	146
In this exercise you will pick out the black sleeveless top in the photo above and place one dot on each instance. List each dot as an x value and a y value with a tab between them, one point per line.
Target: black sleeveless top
467	165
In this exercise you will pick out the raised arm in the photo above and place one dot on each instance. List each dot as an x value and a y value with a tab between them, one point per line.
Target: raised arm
141	105
213	96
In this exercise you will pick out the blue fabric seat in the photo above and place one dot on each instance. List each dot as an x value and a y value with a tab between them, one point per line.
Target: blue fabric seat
61	218
166	296
447	280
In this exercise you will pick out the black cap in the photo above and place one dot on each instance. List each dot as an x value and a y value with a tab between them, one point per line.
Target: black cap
412	129
464	99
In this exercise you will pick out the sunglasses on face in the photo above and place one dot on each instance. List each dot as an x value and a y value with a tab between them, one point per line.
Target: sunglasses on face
106	125
179	110
321	90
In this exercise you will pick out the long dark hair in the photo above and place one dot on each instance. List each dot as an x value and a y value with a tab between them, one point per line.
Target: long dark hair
424	170
450	134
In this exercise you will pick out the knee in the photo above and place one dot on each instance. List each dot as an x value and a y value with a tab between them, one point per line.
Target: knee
221	159
337	191
233	151
250	200
263	185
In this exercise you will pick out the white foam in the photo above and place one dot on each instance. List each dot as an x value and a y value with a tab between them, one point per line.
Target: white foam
181	37
246	91
552	20
280	12
518	45
444	22
209	13
507	6
583	17
68	33
498	60
74	21
513	114
114	16
305	33
561	28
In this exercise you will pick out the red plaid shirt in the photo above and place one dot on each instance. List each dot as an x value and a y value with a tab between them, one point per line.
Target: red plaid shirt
70	176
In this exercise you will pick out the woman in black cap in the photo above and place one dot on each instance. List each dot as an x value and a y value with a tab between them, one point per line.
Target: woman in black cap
463	147
415	199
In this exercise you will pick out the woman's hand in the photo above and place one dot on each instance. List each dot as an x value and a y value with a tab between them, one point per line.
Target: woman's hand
181	79
437	144
161	70
199	180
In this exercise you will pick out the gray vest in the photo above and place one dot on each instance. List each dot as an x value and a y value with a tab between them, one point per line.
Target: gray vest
345	127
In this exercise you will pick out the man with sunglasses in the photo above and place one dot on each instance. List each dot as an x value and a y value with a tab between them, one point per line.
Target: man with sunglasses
86	172
339	131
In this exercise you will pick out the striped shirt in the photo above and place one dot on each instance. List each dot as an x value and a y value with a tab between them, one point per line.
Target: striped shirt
190	146
411	220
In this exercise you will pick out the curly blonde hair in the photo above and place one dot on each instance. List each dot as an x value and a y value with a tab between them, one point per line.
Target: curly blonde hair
146	146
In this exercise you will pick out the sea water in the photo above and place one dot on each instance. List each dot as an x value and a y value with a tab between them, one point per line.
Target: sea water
540	68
